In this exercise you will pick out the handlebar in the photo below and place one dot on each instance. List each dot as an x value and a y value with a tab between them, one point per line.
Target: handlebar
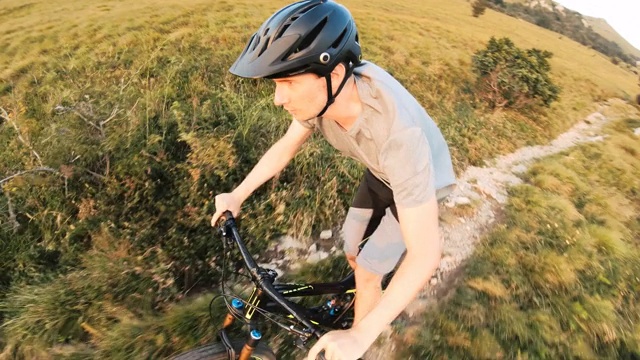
230	230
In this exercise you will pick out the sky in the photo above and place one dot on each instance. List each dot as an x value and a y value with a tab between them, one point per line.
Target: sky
622	15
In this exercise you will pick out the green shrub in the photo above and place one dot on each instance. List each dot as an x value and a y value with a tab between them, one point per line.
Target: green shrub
509	77
478	7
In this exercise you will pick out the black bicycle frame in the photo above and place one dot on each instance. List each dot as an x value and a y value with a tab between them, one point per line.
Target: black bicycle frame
272	297
315	315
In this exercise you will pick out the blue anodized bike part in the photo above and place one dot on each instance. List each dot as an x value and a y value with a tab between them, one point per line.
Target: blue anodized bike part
237	304
256	334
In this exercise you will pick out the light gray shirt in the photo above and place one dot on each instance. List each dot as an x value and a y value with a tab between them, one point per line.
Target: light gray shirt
395	138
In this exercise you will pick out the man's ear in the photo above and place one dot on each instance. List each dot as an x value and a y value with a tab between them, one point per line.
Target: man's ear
337	74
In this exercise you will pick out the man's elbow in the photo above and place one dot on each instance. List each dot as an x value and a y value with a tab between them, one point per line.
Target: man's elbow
428	253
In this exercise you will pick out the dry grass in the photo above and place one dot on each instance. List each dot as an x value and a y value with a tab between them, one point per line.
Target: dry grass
427	45
163	65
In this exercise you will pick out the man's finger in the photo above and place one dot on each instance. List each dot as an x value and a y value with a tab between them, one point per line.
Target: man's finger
315	350
214	218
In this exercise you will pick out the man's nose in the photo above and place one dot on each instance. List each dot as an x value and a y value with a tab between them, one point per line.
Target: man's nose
279	96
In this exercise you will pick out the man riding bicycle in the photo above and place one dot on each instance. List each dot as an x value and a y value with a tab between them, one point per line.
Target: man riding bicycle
311	50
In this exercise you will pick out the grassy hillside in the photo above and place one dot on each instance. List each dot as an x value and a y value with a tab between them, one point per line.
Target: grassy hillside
559	278
603	28
411	40
565	21
130	111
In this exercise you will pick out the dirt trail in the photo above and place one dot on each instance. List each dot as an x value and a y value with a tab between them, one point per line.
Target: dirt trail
479	198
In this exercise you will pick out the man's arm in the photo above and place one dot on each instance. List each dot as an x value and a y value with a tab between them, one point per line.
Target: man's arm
421	234
272	162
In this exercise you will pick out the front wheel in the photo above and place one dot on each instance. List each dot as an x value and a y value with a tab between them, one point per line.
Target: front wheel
219	352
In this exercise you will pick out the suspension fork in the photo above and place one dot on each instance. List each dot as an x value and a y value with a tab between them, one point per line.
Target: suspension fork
254	338
254	335
238	309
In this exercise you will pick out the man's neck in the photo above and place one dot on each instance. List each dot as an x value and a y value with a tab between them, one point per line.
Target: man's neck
347	107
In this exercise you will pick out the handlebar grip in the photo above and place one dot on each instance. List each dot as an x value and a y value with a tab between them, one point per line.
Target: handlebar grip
228	215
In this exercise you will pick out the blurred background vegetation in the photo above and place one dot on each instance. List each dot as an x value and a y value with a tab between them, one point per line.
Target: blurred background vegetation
119	123
591	32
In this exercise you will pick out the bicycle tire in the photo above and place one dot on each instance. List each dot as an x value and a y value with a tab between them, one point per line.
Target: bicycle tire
217	351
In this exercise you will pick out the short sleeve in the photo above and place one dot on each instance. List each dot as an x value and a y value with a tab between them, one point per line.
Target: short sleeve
405	159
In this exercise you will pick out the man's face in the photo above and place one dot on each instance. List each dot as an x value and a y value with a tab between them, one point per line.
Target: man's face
303	96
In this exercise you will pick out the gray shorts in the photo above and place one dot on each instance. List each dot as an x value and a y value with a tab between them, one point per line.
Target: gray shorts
373	217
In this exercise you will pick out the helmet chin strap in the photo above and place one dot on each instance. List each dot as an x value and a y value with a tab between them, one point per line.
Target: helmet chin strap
331	98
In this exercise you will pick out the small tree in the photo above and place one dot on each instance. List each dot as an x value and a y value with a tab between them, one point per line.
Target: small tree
509	77
478	7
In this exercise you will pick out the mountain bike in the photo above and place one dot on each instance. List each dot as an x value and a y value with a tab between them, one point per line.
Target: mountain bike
280	303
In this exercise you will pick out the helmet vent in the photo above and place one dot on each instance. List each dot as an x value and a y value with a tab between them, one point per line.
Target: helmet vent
264	47
255	40
284	28
304	10
313	34
339	39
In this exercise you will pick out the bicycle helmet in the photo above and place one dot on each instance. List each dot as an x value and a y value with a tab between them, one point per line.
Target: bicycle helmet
311	36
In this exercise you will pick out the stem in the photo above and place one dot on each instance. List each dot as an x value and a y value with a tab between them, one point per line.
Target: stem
12	214
48	169
5	116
